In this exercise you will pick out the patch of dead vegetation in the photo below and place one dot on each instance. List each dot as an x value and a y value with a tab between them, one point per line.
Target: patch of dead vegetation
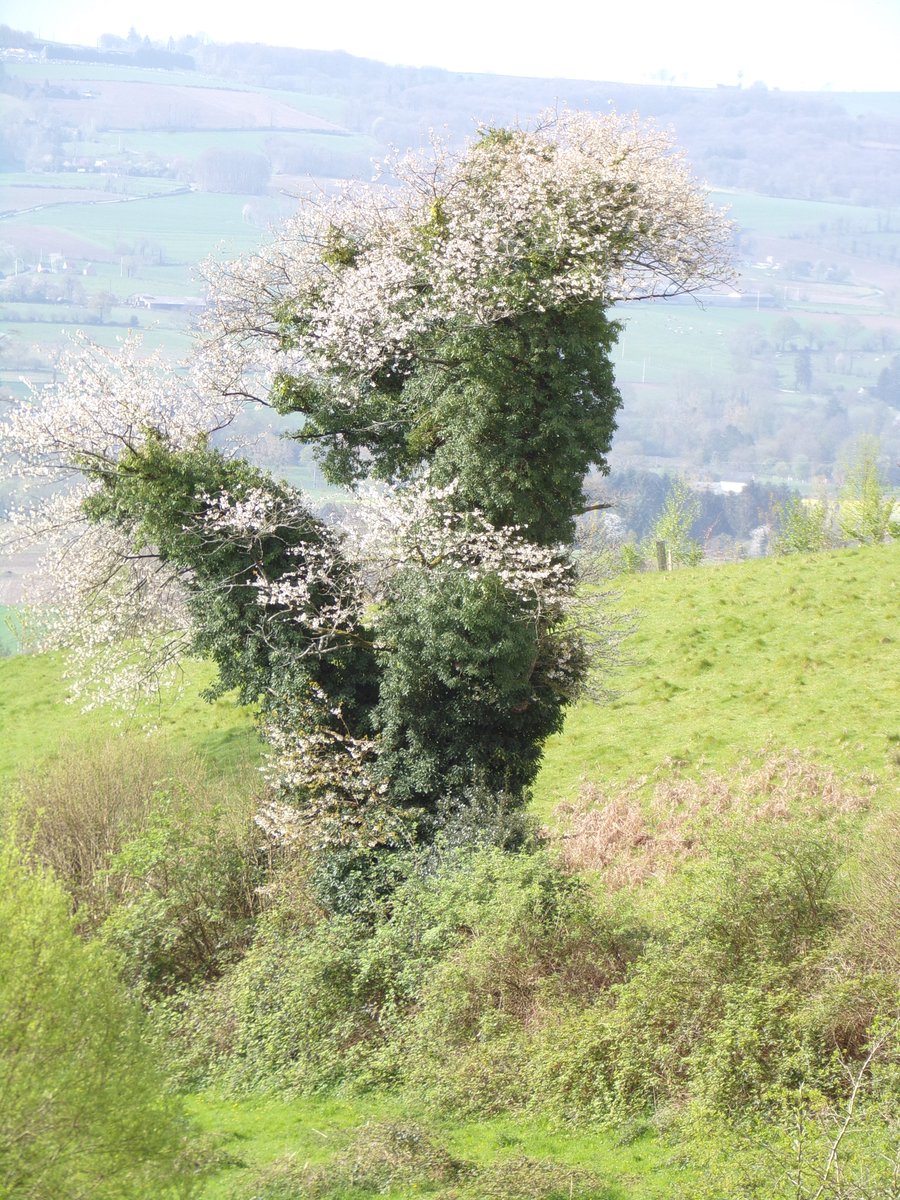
630	837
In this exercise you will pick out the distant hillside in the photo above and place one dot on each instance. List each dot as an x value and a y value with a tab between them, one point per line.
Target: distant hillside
825	145
117	179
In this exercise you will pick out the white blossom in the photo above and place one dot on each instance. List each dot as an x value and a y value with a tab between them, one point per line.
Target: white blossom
583	208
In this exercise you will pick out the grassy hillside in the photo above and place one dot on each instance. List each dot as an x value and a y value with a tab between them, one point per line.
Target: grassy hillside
36	721
798	652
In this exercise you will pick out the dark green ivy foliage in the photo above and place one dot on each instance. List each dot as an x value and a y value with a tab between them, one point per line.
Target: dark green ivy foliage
458	689
155	494
515	411
457	680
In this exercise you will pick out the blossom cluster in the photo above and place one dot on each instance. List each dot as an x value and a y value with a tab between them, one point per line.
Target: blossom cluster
120	613
105	404
582	208
330	778
418	526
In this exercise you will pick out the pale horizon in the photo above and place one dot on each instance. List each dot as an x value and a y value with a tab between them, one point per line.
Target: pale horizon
801	46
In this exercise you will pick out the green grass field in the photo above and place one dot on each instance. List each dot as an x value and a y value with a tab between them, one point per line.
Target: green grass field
259	1129
796	652
38	722
51	181
780	216
188	226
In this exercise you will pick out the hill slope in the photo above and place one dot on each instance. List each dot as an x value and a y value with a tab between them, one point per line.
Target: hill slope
799	651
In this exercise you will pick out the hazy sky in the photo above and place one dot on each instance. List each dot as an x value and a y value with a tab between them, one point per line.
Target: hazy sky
791	44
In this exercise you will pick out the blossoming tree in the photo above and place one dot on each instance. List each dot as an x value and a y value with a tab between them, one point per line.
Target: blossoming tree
445	336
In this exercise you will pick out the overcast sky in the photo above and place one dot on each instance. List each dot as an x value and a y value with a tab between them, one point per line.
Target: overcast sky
791	44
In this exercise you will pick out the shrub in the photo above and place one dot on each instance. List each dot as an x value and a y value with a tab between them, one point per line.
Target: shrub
487	981
631	838
673	526
867	507
79	811
730	998
809	1147
189	893
530	945
477	945
85	1112
804	527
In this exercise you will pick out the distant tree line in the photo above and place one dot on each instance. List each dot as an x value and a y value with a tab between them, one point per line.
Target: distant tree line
638	497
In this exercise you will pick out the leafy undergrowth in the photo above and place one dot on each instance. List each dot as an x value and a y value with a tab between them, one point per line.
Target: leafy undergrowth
795	652
689	944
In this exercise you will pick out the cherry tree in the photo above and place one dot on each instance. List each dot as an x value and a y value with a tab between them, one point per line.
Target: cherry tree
446	337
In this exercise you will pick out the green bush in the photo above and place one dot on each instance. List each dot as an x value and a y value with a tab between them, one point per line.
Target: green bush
188	887
469	945
811	1147
79	811
713	1010
804	527
85	1110
487	981
526	944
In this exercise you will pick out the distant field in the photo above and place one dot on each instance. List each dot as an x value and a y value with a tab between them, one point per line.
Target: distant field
73	72
327	107
192	143
660	340
130	185
780	216
188	227
44	336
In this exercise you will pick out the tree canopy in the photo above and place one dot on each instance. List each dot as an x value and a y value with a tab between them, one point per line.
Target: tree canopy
446	337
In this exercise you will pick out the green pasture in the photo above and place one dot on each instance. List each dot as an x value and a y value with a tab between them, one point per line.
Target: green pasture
255	1130
189	226
73	72
130	185
661	341
780	216
795	652
45	338
329	108
37	719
